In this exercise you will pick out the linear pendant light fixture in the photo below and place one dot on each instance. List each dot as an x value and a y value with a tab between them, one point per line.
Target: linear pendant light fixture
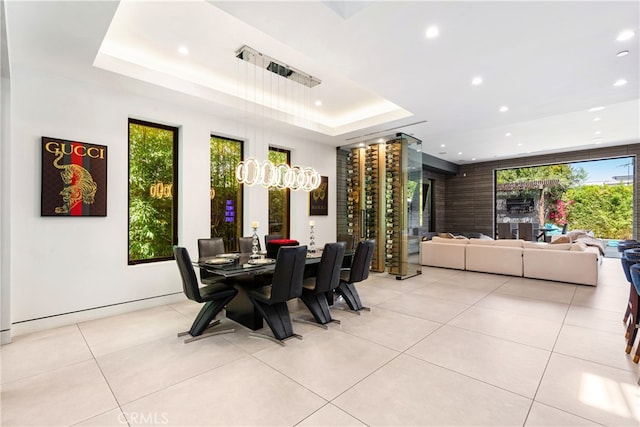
261	60
251	171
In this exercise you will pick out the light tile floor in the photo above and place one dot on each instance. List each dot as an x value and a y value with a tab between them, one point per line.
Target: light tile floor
445	348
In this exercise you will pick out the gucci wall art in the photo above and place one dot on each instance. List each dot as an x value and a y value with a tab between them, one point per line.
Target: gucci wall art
74	178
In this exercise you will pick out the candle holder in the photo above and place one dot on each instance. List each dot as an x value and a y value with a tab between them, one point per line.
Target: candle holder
254	244
312	241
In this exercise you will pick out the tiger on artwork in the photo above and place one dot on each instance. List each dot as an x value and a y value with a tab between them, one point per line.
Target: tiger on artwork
79	185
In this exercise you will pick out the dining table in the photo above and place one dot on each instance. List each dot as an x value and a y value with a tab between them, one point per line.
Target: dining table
246	271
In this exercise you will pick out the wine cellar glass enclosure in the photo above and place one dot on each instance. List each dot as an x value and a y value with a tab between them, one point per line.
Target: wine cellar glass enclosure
380	193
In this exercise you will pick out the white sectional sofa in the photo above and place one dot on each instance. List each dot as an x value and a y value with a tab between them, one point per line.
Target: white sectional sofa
566	262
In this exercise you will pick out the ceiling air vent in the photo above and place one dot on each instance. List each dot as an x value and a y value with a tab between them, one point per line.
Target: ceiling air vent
261	60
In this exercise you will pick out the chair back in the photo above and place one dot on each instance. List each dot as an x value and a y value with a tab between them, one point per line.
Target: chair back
629	257
362	261
189	280
349	240
504	230
288	274
525	231
246	244
269	237
209	248
328	275
635	277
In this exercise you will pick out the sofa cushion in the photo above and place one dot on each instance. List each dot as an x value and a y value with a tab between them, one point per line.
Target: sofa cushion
558	247
437	239
534	245
475	241
509	243
435	254
494	259
543	245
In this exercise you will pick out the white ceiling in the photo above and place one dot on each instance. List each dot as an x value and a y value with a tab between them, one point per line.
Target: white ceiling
549	62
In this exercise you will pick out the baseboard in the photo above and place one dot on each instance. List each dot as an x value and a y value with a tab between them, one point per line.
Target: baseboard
56	321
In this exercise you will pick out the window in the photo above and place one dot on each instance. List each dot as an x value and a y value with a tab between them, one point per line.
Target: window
279	199
153	191
595	195
226	191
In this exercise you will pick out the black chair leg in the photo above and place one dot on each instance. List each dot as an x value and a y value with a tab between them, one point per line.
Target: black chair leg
277	317
318	306
208	312
350	295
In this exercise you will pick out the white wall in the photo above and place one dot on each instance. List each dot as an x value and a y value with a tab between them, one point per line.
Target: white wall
5	213
62	265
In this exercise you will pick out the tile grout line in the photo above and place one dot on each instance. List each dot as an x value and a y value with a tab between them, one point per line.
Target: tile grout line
103	377
552	352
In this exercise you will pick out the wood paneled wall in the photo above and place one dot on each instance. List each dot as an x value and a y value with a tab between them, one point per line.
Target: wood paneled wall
469	204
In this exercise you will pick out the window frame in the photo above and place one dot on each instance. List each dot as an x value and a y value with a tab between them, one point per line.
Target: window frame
240	207
287	214
175	188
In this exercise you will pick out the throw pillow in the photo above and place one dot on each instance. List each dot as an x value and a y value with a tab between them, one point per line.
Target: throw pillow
561	239
578	246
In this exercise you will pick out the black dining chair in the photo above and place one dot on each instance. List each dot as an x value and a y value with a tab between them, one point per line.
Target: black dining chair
208	248
246	244
214	295
634	317
349	239
327	278
269	237
525	231
358	272
286	284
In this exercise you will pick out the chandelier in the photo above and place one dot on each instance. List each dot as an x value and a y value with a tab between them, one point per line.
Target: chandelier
252	172
282	176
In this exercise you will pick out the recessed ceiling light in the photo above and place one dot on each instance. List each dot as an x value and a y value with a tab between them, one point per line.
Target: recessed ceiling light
625	35
596	119
183	50
595	109
476	81
432	32
459	153
620	82
520	144
380	140
361	144
504	108
507	134
442	145
597	132
473	158
622	53
318	103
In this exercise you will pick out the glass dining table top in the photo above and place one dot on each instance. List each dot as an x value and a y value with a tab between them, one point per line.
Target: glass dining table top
230	265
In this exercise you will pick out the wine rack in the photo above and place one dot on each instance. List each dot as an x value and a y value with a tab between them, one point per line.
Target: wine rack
378	199
395	239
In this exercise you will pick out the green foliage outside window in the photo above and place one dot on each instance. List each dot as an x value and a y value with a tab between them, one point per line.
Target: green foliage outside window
278	199
607	210
226	192
152	188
